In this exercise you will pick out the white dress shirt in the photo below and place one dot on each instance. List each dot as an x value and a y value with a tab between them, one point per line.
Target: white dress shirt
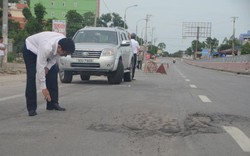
44	45
135	46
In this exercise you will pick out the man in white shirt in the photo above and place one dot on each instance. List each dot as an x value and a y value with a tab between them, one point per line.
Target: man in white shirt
2	48
135	48
41	52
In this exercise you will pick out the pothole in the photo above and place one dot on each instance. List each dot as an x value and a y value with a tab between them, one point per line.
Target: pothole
148	124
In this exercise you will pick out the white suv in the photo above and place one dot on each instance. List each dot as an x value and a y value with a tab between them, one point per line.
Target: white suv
99	51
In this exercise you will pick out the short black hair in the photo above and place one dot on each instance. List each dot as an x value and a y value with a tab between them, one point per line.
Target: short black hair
133	35
67	44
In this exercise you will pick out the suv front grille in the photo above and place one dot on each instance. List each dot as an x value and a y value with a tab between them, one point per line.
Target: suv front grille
86	54
92	65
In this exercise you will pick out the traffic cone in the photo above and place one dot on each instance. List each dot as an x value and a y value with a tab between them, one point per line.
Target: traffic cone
161	70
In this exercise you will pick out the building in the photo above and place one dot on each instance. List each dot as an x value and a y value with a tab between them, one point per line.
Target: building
58	8
244	38
16	14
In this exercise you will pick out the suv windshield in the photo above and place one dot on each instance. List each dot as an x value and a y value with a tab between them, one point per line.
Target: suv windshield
96	36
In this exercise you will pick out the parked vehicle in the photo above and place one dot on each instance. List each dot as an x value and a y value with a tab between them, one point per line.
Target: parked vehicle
99	51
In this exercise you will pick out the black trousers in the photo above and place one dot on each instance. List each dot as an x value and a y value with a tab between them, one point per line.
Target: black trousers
134	66
139	64
31	91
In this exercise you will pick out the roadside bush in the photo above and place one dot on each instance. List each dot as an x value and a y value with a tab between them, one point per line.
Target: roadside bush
11	56
245	49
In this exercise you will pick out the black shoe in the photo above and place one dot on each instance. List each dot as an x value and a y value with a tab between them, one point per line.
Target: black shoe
32	113
56	107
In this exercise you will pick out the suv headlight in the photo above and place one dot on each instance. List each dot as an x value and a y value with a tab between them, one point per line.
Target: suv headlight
108	52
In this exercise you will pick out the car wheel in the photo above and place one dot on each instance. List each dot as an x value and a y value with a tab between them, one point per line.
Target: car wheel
85	77
65	76
116	76
128	75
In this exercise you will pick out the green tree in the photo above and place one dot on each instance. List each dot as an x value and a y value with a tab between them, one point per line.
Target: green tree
211	43
48	25
18	40
88	19
152	49
245	49
40	12
140	41
227	44
177	54
162	46
165	54
14	28
189	51
34	24
105	19
117	19
199	45
74	22
27	13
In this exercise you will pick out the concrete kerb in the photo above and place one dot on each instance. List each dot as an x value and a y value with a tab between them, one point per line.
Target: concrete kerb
13	68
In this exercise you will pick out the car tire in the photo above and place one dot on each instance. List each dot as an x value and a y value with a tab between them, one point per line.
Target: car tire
65	76
116	76
128	75
85	77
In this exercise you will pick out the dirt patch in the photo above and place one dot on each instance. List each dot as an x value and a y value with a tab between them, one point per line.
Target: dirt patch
147	124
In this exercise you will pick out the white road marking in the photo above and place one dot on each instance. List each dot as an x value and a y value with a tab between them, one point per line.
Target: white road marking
22	95
15	96
193	86
187	80
204	98
11	97
242	140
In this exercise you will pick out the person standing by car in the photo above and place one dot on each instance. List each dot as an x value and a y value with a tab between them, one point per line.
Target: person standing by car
140	59
41	52
135	49
2	48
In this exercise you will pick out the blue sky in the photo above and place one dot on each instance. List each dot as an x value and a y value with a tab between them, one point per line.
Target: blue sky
167	17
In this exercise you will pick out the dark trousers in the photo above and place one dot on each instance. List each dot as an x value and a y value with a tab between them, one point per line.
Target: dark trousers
51	81
135	61
139	65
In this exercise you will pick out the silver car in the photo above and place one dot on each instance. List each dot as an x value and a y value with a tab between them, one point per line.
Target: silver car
99	51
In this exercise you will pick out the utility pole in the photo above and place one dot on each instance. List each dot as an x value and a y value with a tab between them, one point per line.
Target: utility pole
196	43
146	33
233	44
5	32
146	36
97	12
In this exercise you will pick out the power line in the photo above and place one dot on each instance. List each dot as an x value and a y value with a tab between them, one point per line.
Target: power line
106	5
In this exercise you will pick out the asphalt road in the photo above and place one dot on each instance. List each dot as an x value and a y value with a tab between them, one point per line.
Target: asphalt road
189	111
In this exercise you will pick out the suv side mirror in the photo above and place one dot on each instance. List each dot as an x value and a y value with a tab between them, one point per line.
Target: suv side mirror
125	43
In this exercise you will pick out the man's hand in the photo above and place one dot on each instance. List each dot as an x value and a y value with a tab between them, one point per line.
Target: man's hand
46	95
46	70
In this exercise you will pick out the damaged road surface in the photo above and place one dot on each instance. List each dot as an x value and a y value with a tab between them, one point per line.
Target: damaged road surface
181	113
